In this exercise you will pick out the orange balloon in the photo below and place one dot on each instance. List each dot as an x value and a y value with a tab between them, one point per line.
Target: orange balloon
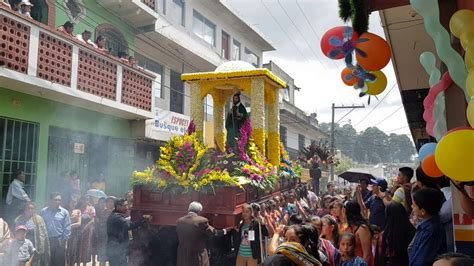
377	52
347	77
430	168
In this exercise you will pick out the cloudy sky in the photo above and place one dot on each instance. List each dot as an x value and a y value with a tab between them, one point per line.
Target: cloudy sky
295	27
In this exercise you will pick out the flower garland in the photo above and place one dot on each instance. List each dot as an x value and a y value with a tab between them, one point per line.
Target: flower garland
185	163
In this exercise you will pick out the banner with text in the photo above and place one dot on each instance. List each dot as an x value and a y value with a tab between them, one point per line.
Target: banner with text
171	122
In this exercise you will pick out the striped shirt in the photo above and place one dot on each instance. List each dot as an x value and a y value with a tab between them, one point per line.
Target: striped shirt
245	250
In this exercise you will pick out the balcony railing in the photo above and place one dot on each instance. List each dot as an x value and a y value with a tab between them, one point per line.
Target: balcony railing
52	60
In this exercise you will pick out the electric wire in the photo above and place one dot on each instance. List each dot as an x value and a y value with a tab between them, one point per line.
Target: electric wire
375	107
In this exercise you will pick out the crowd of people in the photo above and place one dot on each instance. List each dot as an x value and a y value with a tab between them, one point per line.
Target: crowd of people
74	229
373	224
24	8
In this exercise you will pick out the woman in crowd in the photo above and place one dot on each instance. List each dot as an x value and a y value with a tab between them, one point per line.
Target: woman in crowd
346	255
324	210
330	230
249	238
358	226
317	222
102	214
72	251
392	249
299	248
36	233
88	214
430	237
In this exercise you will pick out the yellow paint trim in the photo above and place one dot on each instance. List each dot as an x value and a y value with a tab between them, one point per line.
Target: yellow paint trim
464	235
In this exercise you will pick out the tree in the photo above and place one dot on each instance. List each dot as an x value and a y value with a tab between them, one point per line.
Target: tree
372	145
345	164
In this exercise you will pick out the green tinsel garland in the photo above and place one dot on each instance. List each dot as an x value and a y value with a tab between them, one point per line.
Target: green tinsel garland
357	11
345	10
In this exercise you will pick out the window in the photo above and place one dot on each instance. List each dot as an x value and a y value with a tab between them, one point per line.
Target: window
116	42
301	142
225	45
204	28
157	69
235	50
176	11
283	135
18	150
176	93
209	108
252	58
162	6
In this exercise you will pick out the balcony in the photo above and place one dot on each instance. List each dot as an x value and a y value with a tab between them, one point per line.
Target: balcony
40	61
137	12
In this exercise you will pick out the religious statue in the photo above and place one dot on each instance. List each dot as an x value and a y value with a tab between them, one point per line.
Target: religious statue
234	121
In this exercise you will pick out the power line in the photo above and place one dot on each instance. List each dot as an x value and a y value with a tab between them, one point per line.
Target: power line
387	117
375	107
396	129
302	35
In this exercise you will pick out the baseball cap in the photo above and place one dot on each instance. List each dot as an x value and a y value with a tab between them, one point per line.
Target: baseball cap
382	183
21	227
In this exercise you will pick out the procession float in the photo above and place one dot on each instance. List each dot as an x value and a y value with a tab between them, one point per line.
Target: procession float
246	164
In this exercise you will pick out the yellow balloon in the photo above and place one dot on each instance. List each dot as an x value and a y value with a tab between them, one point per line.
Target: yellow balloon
467	37
454	155
470	84
377	87
470	112
469	58
463	18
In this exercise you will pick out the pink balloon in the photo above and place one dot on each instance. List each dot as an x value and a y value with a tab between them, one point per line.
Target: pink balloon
429	101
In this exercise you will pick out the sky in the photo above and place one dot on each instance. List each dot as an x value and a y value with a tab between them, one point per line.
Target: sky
294	28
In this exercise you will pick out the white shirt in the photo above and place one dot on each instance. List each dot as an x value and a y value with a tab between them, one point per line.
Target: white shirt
79	37
16	190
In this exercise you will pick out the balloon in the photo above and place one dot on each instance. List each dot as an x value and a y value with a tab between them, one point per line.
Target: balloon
377	87
458	128
467	37
470	112
460	20
455	156
377	52
336	33
430	168
428	60
429	104
440	127
470	83
469	58
347	77
429	10
426	150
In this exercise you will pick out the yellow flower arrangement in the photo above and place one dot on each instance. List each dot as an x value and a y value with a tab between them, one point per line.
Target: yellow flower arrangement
183	165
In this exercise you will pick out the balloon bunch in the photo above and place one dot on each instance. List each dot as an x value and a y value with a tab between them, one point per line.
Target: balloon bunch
461	27
372	53
453	156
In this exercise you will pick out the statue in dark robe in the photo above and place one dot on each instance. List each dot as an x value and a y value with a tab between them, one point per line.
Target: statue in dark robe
234	121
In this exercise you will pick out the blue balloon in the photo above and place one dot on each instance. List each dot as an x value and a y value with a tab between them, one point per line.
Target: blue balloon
426	150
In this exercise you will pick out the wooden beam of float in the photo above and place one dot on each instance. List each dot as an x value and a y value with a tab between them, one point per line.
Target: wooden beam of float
263	88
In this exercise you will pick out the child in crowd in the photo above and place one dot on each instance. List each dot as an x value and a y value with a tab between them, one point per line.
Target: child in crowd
346	255
20	250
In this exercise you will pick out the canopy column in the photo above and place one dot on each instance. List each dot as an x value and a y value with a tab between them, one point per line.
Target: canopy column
257	102
274	129
197	107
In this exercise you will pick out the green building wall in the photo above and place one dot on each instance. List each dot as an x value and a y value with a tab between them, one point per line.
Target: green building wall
49	113
95	16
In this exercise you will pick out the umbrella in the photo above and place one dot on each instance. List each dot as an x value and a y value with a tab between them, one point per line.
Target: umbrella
355	177
96	193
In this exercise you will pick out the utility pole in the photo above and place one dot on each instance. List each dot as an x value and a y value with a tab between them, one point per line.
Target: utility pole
333	144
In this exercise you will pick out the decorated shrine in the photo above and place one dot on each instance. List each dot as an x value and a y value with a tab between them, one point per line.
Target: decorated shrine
261	85
222	178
